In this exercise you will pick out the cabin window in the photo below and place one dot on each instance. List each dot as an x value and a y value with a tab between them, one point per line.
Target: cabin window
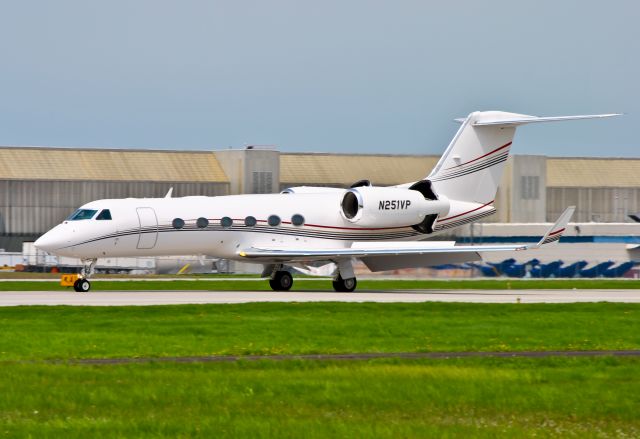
297	220
202	222
250	221
226	222
82	214
177	223
273	220
104	215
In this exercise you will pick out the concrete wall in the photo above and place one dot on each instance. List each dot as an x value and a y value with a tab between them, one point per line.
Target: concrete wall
602	204
528	197
251	171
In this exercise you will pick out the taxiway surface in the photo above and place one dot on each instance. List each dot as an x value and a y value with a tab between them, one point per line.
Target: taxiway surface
140	298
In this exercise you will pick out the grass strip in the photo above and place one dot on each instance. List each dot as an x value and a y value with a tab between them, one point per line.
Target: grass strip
35	333
555	397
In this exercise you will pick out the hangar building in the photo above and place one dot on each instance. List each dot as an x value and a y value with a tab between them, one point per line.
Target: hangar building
39	187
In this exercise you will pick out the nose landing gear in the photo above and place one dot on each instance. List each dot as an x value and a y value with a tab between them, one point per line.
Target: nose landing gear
82	285
281	280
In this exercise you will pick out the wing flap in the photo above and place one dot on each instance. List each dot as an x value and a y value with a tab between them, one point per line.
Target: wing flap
362	250
398	248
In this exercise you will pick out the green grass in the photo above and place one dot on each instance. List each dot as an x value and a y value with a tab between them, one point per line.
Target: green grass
281	328
454	398
471	397
315	284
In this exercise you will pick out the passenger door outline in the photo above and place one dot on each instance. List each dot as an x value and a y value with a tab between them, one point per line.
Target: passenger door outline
148	231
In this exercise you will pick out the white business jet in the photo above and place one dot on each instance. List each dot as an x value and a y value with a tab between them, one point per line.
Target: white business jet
384	227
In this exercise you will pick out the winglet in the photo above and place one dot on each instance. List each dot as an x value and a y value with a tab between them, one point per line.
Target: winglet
169	193
556	231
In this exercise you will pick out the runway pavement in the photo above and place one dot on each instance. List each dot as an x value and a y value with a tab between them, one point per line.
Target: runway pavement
119	298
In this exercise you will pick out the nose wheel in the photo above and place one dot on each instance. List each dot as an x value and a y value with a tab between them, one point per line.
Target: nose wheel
82	285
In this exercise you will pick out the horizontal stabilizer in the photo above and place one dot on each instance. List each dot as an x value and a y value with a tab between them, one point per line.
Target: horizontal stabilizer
524	119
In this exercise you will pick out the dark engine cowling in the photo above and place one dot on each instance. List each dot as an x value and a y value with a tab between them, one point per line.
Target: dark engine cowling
390	207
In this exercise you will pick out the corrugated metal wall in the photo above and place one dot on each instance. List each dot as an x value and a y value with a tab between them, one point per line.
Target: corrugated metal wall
593	204
29	207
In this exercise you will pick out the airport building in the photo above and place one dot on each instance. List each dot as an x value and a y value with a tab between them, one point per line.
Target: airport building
39	187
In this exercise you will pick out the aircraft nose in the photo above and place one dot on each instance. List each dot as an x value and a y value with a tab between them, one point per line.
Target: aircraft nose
48	242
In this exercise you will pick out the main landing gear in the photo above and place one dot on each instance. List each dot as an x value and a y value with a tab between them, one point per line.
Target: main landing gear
345	280
281	280
82	285
344	285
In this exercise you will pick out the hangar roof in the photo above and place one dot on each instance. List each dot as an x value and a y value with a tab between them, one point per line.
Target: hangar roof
112	165
592	172
345	169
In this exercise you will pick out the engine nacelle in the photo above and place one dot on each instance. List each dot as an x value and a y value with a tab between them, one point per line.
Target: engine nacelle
389	206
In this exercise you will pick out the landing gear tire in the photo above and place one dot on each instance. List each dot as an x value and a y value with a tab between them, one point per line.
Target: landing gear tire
344	285
281	281
82	286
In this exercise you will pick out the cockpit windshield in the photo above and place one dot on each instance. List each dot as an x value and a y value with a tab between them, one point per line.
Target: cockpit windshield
82	214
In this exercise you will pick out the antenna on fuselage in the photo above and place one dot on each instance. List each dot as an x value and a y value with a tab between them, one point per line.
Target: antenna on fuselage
169	193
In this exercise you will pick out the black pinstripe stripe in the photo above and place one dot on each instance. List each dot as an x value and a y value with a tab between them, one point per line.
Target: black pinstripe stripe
476	166
551	239
277	230
301	232
343	237
472	169
463	221
469	218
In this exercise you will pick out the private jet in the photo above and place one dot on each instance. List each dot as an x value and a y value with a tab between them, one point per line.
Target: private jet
384	227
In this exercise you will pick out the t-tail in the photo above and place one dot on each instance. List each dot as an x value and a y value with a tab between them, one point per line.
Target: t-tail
470	170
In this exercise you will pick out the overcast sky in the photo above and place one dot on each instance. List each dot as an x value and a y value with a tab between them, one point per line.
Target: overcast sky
357	76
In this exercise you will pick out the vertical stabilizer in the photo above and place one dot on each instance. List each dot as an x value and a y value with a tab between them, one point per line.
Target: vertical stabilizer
471	167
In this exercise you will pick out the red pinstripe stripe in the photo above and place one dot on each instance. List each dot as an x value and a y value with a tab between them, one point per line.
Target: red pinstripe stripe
464	213
319	226
482	156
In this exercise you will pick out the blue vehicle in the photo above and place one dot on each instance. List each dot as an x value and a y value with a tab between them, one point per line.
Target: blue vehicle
596	270
501	267
520	270
572	270
551	269
620	270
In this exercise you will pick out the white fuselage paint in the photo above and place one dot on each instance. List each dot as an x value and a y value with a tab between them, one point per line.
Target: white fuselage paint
464	181
143	227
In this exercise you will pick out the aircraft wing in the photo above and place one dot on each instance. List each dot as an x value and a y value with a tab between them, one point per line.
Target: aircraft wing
431	252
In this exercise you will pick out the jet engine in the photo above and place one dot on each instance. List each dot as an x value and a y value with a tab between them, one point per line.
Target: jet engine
370	206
